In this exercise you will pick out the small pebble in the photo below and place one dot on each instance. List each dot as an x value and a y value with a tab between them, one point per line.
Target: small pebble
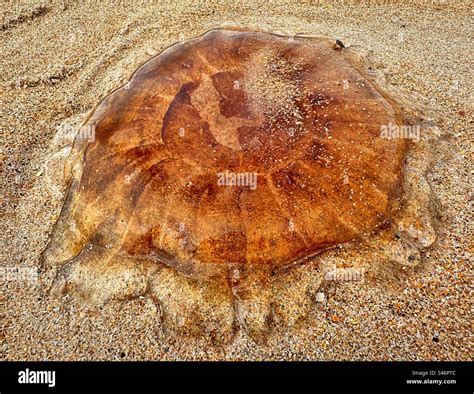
320	297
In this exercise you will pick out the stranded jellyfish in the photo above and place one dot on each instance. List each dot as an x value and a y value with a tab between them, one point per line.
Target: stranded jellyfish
225	158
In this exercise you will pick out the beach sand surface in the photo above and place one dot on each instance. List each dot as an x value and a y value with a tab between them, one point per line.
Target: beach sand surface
60	58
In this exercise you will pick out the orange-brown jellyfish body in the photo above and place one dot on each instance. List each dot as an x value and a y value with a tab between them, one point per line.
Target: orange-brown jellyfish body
234	150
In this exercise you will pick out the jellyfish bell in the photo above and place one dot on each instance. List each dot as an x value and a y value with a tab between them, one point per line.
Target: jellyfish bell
225	157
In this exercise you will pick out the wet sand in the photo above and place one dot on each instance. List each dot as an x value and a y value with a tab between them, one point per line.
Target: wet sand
61	58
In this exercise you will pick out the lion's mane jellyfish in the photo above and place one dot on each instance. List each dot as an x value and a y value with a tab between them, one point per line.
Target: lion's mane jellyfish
227	159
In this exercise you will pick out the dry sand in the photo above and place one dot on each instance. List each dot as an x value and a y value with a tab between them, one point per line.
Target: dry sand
60	58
